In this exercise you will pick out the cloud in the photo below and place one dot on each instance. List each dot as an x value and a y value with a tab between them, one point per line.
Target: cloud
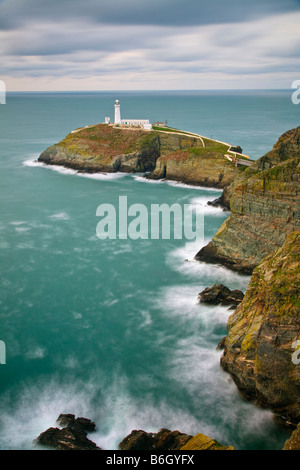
135	44
136	12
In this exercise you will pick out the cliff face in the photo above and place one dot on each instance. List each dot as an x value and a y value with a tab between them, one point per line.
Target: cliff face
259	351
265	207
170	155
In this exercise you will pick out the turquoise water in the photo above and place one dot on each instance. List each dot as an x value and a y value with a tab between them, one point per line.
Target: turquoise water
111	329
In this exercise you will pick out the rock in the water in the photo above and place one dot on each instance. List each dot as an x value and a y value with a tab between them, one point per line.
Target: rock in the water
82	424
170	440
220	294
260	349
71	437
220	202
138	440
265	206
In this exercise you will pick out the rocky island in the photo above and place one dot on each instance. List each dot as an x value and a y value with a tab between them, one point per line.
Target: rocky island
163	153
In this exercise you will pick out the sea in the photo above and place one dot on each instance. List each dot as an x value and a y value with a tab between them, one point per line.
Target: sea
111	329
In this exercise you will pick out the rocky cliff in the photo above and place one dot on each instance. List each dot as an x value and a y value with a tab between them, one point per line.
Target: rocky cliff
259	349
172	155
104	148
265	206
197	164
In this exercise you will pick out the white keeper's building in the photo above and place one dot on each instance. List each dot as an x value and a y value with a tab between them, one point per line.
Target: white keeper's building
144	123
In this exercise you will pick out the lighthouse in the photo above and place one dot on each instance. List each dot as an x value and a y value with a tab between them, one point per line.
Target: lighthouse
117	112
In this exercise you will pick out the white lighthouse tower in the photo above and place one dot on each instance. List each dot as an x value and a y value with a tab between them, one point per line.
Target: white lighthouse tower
117	112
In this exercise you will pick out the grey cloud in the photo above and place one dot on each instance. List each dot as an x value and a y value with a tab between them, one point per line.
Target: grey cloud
13	13
72	39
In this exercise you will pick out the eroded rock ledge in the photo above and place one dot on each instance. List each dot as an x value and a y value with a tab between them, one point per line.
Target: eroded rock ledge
265	206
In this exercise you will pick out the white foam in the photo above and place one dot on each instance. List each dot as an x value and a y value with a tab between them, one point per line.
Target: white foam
102	176
32	162
146	319
37	408
182	260
60	216
201	204
36	353
179	184
142	179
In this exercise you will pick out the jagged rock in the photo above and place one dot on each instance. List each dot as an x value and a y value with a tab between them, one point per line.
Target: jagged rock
220	294
138	440
265	206
169	440
71	437
221	202
82	424
260	346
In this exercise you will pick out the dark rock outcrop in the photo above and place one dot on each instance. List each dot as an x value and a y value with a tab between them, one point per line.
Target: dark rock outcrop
220	294
265	206
73	435
221	202
264	331
82	424
138	440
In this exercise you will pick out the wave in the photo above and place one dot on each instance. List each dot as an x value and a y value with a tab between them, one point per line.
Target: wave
32	162
142	179
201	203
179	184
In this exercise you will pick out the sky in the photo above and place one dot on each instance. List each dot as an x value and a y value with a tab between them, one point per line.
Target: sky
70	45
